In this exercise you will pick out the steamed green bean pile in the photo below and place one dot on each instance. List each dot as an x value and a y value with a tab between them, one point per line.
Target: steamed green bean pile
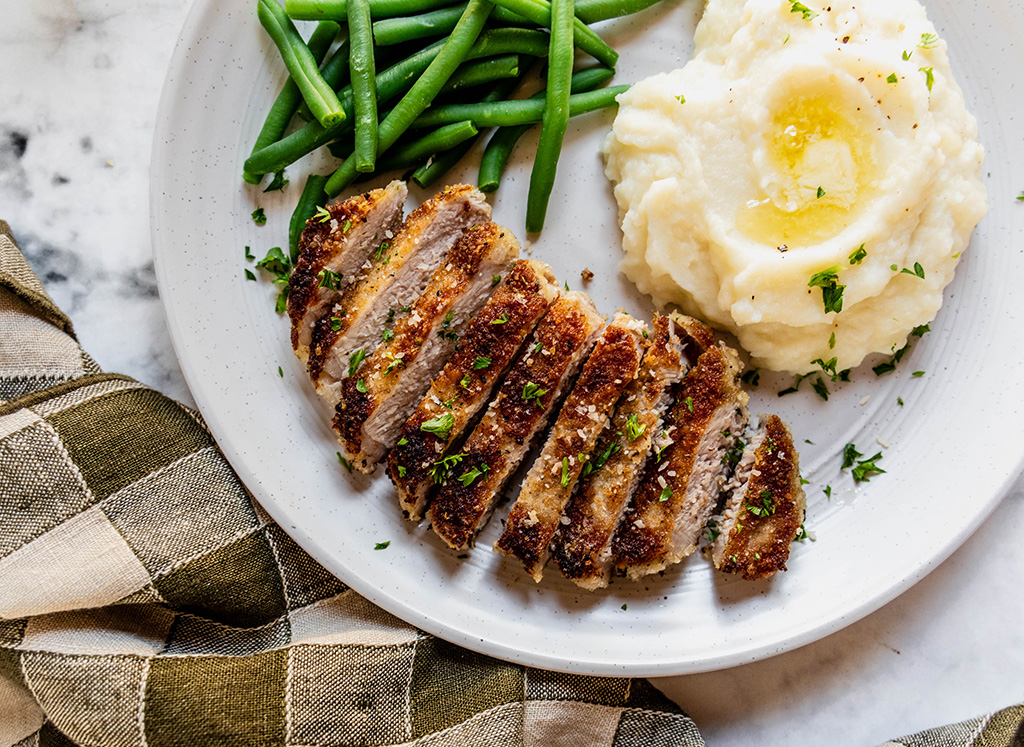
412	85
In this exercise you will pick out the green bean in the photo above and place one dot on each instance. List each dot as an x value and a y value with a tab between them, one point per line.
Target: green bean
441	163
315	10
456	48
477	73
499	147
592	11
313	195
435	23
334	72
518	112
364	88
539	12
289	99
323	101
434	142
530	42
555	120
390	83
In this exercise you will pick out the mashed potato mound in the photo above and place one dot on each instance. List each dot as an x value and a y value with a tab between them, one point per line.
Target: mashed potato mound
803	140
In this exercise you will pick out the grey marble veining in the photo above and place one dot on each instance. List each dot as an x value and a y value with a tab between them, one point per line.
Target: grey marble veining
79	85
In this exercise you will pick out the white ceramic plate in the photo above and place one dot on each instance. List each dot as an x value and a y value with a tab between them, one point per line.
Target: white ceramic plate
955	445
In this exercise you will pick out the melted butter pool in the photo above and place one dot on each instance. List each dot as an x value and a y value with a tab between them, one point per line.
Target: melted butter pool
821	167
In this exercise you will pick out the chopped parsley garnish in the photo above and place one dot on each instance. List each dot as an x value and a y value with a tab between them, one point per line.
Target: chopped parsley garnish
732	456
689	404
329	279
850	455
565	472
440	426
801	534
384	246
917	374
892	78
666	493
538	347
467	477
831	291
401	470
798	7
276	263
918	270
831	341
322	214
344	462
929	76
796	384
899	401
634	429
602	458
250	256
346	225
465	381
751	377
361	386
928	41
765	508
890	365
867	468
354	360
281	304
481	362
259	217
659	452
382	545
820	388
249	275
445	333
920	330
403	441
623	607
495	279
387	335
394	362
821	192
442	468
827	490
1019	197
336	323
681	99
500	320
857	255
533	391
906	55
712	530
278	182
280	372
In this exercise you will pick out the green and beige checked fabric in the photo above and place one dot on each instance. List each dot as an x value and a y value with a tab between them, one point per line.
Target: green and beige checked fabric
146	599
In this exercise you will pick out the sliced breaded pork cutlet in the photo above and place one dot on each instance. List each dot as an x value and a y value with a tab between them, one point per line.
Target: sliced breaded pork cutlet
332	252
538	378
536	515
680	489
583	546
378	397
765	506
388	281
465	383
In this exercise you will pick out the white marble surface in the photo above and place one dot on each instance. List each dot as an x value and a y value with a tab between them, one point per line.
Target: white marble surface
79	82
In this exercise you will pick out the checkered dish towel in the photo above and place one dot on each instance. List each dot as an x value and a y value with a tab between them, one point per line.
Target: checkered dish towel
146	599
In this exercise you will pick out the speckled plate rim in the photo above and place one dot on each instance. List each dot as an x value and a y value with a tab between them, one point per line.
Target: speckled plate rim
956	448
